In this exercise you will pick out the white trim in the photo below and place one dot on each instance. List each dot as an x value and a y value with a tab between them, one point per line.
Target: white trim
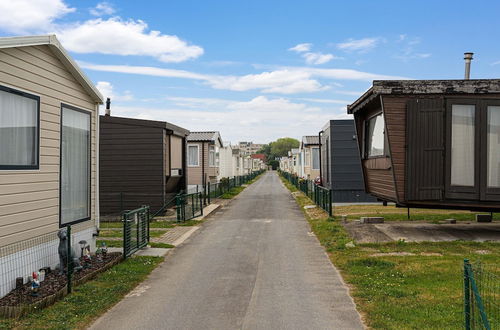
197	153
61	54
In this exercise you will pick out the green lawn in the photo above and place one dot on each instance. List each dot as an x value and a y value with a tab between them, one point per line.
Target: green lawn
232	193
420	291
392	213
89	300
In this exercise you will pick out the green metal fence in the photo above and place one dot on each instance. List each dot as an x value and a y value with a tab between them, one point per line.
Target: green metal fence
321	196
135	230
481	297
189	206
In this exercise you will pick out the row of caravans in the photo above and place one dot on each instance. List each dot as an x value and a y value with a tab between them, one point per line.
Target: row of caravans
61	163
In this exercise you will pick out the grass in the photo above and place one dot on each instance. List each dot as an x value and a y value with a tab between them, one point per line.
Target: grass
154	224
89	300
392	213
233	192
420	291
161	245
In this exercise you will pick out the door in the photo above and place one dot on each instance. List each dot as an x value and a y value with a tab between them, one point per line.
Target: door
473	148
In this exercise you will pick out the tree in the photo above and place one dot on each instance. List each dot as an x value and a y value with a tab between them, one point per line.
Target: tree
278	148
282	146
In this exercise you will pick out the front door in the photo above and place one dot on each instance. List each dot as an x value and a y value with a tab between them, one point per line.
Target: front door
473	149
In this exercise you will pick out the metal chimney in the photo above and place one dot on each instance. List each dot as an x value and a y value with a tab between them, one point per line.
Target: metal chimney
468	59
108	107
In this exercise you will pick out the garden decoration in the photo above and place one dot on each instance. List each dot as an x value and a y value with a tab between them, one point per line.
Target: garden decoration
87	260
35	284
63	252
104	249
98	254
83	244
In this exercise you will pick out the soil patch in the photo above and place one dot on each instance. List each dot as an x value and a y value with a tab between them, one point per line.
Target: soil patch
54	283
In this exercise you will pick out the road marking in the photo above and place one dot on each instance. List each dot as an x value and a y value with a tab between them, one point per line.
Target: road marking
137	292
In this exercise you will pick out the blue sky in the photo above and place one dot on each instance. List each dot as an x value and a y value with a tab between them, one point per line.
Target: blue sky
259	70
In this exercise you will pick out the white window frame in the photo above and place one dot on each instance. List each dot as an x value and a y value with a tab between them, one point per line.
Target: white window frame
312	160
197	155
212	161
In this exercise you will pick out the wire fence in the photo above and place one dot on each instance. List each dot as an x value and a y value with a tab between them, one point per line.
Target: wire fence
481	296
19	260
321	196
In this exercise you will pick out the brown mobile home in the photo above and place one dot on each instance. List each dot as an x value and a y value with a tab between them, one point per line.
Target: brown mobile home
48	154
431	143
142	162
203	157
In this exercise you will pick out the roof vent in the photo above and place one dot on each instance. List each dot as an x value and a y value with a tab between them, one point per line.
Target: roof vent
468	59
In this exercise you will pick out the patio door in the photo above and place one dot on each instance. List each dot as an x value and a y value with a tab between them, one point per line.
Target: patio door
473	148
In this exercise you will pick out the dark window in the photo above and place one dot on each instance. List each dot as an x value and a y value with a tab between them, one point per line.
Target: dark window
19	129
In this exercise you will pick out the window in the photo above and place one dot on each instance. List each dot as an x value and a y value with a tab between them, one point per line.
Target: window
374	137
75	165
493	147
193	155
315	158
19	127
307	157
462	144
211	156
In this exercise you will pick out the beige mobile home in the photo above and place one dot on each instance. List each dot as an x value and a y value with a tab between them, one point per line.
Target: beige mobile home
203	157
48	154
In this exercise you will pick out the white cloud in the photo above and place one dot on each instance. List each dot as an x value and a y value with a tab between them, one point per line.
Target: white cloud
260	119
317	58
495	63
283	81
327	101
107	90
119	37
359	45
305	47
22	16
102	9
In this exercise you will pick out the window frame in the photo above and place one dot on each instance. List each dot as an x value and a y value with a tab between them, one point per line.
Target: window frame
365	137
197	154
212	149
37	130
90	113
312	159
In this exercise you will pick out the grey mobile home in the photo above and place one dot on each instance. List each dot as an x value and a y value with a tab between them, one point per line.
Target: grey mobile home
340	164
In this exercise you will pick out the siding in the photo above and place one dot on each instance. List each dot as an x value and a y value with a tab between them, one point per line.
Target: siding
176	151
395	120
194	173
131	163
29	199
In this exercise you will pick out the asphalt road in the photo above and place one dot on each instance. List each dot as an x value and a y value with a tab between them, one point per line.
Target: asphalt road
253	265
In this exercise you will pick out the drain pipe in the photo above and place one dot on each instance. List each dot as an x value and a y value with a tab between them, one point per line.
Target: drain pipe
468	59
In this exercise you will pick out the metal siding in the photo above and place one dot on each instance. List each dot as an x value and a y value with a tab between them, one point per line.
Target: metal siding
425	136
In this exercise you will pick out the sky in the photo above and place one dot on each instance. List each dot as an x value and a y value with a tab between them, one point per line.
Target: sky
258	70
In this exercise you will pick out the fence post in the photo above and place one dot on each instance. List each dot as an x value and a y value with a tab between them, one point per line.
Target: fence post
466	294
69	260
178	207
192	204
201	204
148	217
330	203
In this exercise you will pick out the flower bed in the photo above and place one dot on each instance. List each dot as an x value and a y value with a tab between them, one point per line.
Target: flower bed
20	302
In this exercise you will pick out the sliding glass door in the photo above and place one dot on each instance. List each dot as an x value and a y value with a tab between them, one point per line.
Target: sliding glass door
473	150
75	165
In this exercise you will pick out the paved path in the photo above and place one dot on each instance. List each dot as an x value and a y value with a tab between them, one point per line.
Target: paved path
253	266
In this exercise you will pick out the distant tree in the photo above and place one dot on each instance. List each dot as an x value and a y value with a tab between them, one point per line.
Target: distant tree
282	146
274	163
278	148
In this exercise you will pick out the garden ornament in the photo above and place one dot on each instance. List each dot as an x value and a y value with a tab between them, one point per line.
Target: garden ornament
63	252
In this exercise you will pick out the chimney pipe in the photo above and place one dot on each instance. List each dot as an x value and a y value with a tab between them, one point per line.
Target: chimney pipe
108	107
468	59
